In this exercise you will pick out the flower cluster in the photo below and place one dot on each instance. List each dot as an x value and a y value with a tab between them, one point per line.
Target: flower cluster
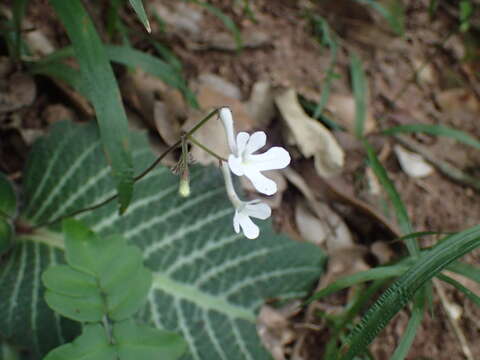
243	160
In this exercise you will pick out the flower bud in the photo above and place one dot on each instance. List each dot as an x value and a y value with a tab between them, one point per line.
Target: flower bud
184	187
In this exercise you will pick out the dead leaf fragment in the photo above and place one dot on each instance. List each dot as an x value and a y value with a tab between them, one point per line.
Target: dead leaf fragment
342	108
311	137
261	105
19	92
413	164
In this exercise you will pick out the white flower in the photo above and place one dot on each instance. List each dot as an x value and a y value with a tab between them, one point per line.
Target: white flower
244	161
245	210
241	219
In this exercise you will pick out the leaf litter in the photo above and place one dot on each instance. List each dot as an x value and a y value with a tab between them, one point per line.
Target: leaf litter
285	55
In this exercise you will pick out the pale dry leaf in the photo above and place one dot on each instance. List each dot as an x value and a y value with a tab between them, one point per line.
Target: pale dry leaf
38	43
412	164
179	16
310	227
261	105
311	137
165	122
342	108
220	84
338	235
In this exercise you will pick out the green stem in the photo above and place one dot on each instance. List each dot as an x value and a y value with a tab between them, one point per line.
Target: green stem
206	149
135	179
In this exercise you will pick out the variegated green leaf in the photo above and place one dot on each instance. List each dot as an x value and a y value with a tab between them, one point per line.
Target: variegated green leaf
208	282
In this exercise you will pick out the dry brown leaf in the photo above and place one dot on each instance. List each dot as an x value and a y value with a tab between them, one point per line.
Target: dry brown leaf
167	125
310	227
342	108
311	137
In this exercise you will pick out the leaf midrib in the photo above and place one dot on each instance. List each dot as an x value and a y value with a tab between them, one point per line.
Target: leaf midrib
162	282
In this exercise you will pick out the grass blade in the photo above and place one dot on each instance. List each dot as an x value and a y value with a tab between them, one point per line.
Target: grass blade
469	293
400	293
394	18
467	270
400	210
102	91
152	65
438	130
409	335
227	21
378	273
360	93
137	6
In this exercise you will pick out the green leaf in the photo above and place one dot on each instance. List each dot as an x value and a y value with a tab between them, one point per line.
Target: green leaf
6	235
8	198
227	21
438	130
137	5
103	92
142	342
395	16
152	65
93	344
400	210
469	293
428	265
106	277
208	281
360	93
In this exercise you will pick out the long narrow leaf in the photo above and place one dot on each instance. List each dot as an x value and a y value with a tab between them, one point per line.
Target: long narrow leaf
438	130
378	273
400	210
152	65
360	90
401	292
103	93
413	324
467	270
137	6
469	293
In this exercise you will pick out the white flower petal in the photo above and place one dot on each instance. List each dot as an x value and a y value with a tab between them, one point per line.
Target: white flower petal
250	230
258	210
236	222
275	158
242	139
226	117
257	141
260	182
235	164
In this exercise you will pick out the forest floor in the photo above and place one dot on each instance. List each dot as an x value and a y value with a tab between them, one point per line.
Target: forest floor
428	74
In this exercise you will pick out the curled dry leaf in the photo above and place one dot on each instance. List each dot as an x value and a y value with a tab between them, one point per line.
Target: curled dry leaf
311	228
342	108
311	137
413	164
338	235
